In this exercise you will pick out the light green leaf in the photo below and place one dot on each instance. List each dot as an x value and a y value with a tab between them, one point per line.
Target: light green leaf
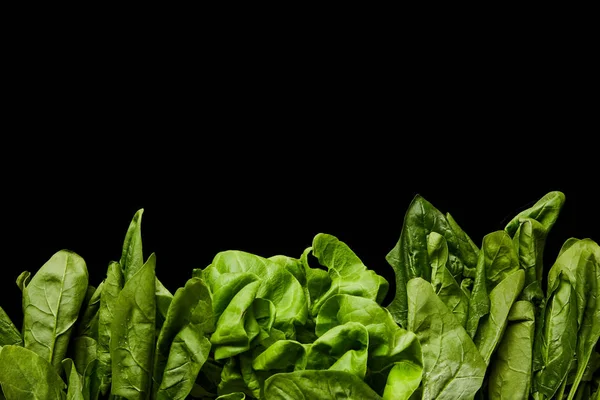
27	375
452	365
53	299
189	350
403	380
342	348
132	255
347	272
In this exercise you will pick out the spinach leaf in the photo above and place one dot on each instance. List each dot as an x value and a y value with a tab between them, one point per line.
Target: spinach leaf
559	338
53	299
323	385
113	284
467	250
497	260
26	374
86	363
409	257
545	211
529	242
74	381
452	366
444	283
132	334
191	315
189	350
403	381
511	365
232	396
492	326
87	322
9	334
589	329
132	255
178	316
163	301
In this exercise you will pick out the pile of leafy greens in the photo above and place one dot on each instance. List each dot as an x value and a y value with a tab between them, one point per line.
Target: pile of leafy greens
466	322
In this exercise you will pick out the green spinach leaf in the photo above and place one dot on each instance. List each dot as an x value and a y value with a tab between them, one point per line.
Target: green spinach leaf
452	366
113	284
26	374
322	385
53	299
511	365
133	333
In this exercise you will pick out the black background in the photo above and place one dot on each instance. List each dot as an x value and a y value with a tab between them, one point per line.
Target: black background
255	144
264	200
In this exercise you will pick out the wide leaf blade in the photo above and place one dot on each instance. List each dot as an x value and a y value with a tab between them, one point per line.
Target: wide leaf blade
53	300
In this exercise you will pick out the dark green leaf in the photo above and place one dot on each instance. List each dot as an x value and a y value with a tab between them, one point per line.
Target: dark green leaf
322	385
409	257
511	365
558	340
492	325
113	284
133	334
545	211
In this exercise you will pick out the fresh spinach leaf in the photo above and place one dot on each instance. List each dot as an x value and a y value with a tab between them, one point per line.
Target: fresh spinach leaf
113	284
559	338
322	385
545	211
409	257
132	255
178	317
74	381
444	283
452	365
511	365
189	350
27	375
132	334
492	326
9	334
53	299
